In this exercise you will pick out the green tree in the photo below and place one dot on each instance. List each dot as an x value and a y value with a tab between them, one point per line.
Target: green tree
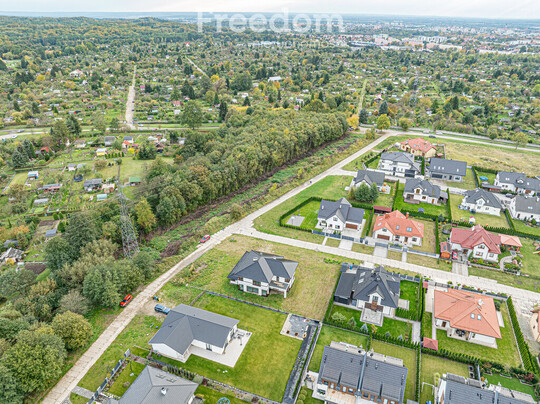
404	123
15	282
73	328
192	115
383	108
74	126
146	263
19	159
520	139
246	103
363	116
10	391
145	217
60	134
165	211
29	149
74	302
114	126
98	122
100	288
82	229
223	110
383	122
36	359
58	252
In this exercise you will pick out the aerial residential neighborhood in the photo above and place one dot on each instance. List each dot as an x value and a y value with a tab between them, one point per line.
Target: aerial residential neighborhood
198	211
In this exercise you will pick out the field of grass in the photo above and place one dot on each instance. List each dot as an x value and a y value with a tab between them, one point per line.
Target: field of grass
118	388
332	242
428	242
467	183
481	218
395	327
329	334
510	383
428	262
362	248
268	358
531	261
386	199
309	295
409	361
76	399
506	278
309	212
506	353
432	369
426	325
211	396
408	207
409	291
520	226
394	255
308	396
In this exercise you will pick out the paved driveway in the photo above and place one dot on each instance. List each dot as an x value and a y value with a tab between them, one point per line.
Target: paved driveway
380	252
346	244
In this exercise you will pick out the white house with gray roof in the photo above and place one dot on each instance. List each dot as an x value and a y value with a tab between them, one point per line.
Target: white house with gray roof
423	191
517	182
526	208
155	386
186	327
339	215
454	389
369	177
448	170
481	201
399	164
366	288
263	273
348	374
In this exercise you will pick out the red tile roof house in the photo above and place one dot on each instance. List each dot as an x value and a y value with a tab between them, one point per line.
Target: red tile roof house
395	227
467	316
418	147
481	243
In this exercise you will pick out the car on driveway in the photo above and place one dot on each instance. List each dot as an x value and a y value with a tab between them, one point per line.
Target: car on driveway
205	238
161	309
126	301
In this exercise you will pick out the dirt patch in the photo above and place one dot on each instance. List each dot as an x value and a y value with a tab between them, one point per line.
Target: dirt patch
36	268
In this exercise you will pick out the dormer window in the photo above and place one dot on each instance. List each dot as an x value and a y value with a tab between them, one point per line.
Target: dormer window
479	317
472	316
409	228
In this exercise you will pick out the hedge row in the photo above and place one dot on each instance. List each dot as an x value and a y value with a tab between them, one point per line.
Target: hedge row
402	313
529	361
418	373
504	230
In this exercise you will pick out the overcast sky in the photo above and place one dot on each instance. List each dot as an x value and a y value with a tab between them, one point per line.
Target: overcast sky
529	9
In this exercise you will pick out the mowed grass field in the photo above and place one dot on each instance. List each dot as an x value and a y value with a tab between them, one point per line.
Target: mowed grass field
309	294
433	367
481	218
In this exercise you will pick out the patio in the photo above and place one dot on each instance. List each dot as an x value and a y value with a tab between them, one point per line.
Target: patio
232	352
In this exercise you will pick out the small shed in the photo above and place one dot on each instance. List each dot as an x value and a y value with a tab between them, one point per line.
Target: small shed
33	175
381	209
101	197
50	233
446	250
41	201
430	343
102	151
133	181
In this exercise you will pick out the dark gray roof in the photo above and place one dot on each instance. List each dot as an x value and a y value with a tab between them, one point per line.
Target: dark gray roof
93	181
520	180
7	243
362	371
263	267
147	388
528	205
443	166
460	390
427	187
360	282
474	195
342	209
184	324
399	157
50	233
369	177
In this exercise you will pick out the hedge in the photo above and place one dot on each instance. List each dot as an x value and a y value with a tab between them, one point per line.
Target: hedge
402	313
418	373
529	361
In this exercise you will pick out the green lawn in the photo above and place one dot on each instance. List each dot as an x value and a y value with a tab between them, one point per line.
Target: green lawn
332	242
429	262
309	212
329	334
408	207
433	367
76	399
467	183
211	396
521	282
506	353
118	388
510	383
362	248
309	295
481	218
521	226
386	199
426	325
531	261
393	326
304	391
409	291
428	242
268	358
409	361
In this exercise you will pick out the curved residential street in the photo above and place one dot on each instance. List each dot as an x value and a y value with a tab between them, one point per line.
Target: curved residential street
523	299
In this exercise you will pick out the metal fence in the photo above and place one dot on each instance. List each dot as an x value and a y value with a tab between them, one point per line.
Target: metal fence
108	379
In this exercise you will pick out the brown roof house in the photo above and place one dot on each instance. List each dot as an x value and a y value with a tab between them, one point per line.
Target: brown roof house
467	316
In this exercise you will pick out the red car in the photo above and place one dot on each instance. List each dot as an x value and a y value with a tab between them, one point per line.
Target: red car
126	301
205	238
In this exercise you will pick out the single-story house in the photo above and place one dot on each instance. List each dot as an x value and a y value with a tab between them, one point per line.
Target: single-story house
109	140
12	255
339	215
399	164
423	191
102	151
93	184
481	201
349	373
263	273
128	139
454	389
108	188
526	208
369	177
41	201
33	175
186	327
133	181
449	170
418	147
155	386
51	187
476	241
467	316
365	288
395	227
517	182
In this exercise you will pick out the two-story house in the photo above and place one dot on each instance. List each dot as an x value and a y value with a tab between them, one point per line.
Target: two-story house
395	227
517	182
526	208
423	191
263	273
399	164
448	170
349	374
339	215
476	242
369	177
418	147
481	201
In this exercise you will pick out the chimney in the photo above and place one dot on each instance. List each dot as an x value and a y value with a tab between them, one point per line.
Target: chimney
163	391
407	215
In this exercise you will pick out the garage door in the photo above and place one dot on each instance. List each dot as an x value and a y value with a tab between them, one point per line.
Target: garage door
351	226
383	237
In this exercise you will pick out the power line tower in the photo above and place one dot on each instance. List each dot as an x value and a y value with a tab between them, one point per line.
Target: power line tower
129	240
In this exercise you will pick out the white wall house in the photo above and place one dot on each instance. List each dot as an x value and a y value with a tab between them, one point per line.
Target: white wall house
481	201
399	164
525	208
